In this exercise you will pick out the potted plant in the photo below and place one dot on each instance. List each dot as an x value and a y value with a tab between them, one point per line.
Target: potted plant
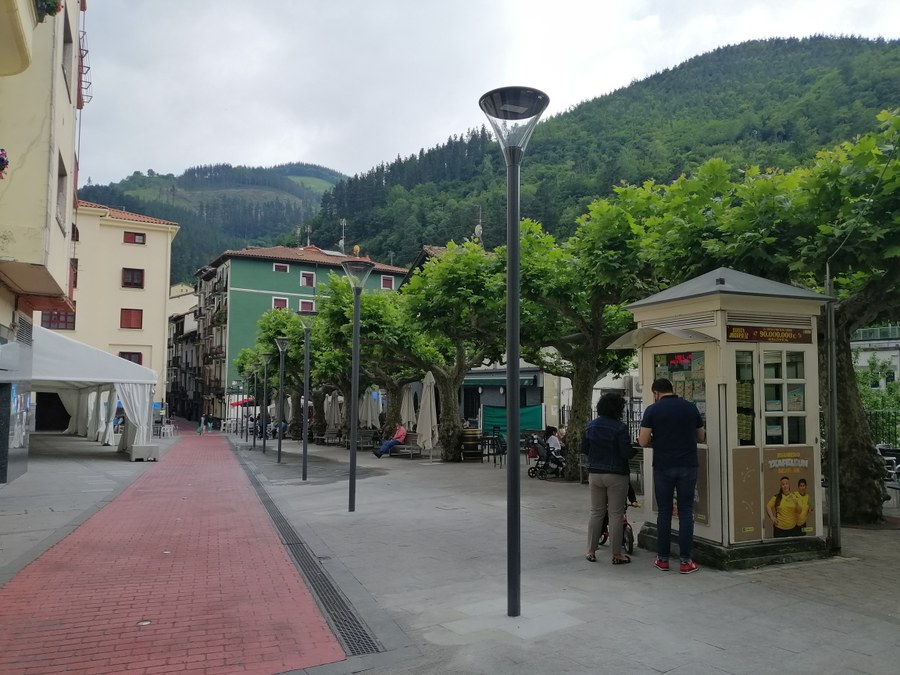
47	8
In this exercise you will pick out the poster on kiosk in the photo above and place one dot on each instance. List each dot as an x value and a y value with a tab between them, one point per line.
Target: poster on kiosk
744	350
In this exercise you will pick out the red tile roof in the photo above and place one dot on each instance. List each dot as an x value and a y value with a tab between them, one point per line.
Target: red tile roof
126	215
306	254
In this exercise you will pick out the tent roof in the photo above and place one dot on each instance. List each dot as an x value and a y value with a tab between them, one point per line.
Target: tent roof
63	363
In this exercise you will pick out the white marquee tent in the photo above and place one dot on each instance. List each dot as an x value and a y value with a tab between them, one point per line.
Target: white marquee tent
82	375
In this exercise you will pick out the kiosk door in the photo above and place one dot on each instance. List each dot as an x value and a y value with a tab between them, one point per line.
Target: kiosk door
774	466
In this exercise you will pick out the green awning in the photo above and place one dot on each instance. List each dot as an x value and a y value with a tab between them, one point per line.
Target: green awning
497	381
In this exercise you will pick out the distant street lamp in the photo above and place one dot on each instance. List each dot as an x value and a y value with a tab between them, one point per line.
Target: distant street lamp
282	343
357	271
306	320
513	113
266	356
255	404
235	388
245	416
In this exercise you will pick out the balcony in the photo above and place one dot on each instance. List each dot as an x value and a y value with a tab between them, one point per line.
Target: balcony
16	29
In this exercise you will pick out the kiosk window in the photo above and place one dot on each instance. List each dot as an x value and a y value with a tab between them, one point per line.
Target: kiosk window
746	408
785	393
687	372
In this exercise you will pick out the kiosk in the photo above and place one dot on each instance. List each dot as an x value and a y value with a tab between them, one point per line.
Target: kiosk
744	349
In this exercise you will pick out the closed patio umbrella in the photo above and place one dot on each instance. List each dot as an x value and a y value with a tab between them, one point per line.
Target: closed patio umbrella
426	425
407	409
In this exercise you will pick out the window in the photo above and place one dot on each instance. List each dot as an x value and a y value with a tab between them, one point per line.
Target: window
58	320
308	279
132	278
131	318
62	194
387	283
307	306
281	267
135	238
73	272
134	357
279	303
75	235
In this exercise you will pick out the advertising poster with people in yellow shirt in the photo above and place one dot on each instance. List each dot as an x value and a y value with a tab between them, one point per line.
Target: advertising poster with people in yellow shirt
789	493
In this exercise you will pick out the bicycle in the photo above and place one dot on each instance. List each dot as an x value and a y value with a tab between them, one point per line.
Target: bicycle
627	531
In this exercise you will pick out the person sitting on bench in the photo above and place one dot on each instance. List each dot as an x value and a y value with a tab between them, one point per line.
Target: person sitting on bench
398	439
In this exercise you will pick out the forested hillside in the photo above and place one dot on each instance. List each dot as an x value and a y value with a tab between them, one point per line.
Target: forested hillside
772	103
221	206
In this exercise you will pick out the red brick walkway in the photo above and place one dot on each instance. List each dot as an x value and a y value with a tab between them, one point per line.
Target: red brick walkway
188	548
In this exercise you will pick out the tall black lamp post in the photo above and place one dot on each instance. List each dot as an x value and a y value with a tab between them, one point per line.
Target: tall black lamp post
282	343
357	271
245	416
266	357
513	113
306	320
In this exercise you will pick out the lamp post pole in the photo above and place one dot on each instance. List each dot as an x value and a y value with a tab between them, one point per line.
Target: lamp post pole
244	414
282	343
513	113
357	270
235	388
834	491
256	406
265	425
306	320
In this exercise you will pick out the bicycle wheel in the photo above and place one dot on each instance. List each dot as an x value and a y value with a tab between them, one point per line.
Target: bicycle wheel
628	539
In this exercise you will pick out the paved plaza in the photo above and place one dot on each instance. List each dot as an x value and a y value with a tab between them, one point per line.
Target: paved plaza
217	559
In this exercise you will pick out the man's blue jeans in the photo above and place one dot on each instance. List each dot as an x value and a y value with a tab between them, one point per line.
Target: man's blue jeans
387	445
666	483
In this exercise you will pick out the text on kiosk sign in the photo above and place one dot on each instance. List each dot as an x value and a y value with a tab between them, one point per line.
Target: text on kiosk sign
769	334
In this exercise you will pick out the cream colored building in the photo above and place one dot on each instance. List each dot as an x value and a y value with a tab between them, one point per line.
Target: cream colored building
41	90
121	289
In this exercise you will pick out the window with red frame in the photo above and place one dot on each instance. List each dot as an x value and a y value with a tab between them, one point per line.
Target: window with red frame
134	357
132	278
387	283
58	320
279	303
280	267
135	238
308	279
131	318
307	306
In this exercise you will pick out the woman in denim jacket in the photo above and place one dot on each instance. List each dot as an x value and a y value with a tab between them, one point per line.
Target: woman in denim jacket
607	448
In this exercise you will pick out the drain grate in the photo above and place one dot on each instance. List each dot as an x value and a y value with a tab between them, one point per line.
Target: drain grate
354	636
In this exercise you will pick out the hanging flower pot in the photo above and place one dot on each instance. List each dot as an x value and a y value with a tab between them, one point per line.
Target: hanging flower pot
47	8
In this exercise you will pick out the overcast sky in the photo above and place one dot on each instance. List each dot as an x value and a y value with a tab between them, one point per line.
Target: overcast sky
348	84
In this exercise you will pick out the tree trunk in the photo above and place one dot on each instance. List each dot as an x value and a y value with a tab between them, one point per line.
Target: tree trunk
583	379
862	491
450	428
394	393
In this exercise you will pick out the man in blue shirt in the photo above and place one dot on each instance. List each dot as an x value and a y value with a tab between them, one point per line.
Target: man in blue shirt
673	427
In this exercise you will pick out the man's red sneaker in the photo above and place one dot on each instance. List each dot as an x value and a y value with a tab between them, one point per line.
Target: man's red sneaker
688	567
661	564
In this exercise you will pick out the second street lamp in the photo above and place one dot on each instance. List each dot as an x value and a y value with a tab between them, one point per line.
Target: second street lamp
256	407
282	343
357	271
306	320
513	113
266	356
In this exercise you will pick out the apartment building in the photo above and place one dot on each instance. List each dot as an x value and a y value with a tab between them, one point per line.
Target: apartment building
42	88
182	389
120	279
238	287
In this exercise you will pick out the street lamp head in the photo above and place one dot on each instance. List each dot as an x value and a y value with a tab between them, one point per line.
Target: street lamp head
357	270
513	113
282	343
307	318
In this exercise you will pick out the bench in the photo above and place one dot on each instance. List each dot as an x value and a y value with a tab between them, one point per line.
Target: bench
331	437
409	447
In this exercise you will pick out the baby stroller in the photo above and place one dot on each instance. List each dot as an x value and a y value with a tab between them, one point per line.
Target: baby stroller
627	531
547	461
